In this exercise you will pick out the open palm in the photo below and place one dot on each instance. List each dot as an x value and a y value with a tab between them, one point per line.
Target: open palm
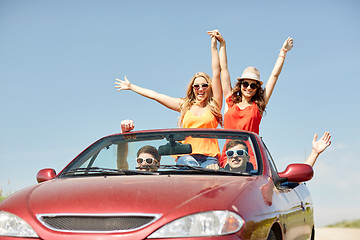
122	84
320	145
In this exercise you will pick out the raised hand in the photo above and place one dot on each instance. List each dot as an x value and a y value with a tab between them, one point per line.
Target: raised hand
288	44
215	33
127	125
320	145
122	84
213	41
211	33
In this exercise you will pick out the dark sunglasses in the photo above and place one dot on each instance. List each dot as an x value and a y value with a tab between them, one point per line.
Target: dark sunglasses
197	86
252	86
147	160
239	152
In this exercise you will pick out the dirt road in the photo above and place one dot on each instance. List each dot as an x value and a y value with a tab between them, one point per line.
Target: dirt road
337	233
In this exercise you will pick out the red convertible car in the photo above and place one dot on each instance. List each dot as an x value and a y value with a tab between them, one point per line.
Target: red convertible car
132	186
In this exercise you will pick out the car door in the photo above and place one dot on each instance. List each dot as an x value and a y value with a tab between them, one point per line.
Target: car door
296	212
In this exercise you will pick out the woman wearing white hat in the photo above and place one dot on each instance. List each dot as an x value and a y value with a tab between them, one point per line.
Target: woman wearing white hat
246	102
248	91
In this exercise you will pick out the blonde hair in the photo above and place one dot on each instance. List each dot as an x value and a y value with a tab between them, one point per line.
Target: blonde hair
190	99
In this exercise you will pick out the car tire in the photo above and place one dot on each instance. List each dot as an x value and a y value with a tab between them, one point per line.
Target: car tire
313	234
271	236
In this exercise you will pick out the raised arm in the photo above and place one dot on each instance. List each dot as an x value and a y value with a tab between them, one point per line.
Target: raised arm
122	148
215	65
224	71
318	147
169	102
225	75
287	46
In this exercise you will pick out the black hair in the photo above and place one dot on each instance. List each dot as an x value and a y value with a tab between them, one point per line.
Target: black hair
151	150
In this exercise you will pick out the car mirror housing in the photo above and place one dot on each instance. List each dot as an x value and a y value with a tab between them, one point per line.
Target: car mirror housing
297	172
174	148
45	175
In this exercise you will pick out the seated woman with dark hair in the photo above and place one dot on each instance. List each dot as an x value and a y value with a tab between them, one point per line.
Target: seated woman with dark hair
147	157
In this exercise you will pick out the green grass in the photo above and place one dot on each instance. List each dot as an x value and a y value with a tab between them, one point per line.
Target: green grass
1	196
5	195
347	224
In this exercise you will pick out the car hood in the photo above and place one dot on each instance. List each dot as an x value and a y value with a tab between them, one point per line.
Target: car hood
134	194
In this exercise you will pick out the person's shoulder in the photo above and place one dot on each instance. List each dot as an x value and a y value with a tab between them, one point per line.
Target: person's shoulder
229	101
226	167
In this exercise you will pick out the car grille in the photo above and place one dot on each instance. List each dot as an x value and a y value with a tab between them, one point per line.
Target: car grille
96	223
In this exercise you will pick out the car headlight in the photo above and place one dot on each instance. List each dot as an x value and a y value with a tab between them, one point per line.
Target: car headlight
212	223
13	226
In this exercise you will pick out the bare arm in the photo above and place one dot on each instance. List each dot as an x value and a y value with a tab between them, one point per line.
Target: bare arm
225	75
318	147
287	46
122	149
169	102
215	65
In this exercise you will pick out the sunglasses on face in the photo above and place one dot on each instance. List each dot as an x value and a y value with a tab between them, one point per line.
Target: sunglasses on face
198	86
252	85
239	152
147	160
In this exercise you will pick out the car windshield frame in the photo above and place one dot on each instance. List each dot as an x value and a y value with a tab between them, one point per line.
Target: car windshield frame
168	134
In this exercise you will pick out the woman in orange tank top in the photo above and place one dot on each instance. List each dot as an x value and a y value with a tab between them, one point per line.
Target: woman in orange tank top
201	107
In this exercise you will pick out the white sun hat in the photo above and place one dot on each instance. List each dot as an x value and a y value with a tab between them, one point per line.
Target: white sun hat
252	74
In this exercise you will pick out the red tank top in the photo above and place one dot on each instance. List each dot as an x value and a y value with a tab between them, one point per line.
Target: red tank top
247	119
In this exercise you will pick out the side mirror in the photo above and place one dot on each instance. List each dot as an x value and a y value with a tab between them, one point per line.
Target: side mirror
45	175
297	172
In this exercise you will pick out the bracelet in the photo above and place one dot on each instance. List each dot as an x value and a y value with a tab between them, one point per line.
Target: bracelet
284	50
282	56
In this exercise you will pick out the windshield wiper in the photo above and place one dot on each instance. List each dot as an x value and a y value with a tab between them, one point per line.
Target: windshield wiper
203	170
102	171
185	167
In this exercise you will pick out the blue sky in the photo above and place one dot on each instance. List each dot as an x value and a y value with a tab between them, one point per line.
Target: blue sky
59	60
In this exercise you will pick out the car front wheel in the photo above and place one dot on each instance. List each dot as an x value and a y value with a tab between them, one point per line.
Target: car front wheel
271	235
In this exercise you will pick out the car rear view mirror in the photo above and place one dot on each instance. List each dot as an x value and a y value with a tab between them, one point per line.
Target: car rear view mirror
174	148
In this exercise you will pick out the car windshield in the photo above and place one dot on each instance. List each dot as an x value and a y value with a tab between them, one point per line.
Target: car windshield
169	151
